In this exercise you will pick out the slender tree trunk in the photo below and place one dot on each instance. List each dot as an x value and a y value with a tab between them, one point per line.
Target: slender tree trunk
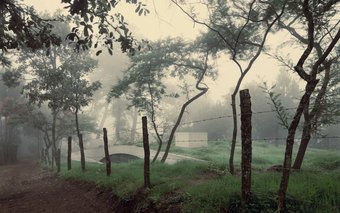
118	118
202	90
153	121
54	142
47	153
246	134
160	144
134	124
290	143
81	144
307	128
82	154
69	153
58	160
147	183
306	135
233	140
107	155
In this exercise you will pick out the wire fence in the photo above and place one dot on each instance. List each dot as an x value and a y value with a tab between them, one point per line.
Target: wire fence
139	133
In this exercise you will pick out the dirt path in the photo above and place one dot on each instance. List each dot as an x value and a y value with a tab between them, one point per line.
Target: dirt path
25	187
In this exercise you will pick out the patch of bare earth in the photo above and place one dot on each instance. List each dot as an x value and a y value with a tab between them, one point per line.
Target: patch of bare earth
25	187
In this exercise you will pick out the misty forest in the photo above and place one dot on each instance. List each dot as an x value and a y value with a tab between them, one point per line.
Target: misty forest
169	106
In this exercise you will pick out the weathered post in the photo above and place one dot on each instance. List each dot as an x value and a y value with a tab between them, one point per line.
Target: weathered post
82	154
246	128
69	151
107	155
146	153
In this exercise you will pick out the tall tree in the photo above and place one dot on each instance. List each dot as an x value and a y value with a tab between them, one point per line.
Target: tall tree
311	12
318	112
144	82
241	28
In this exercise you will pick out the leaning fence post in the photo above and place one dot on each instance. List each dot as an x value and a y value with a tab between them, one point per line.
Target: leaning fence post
69	151
246	128
107	155
146	153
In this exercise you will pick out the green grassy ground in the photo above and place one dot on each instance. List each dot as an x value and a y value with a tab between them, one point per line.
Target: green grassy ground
207	187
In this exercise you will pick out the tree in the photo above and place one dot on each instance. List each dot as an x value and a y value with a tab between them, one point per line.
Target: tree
311	13
109	22
317	110
241	29
78	89
13	113
22	27
144	82
58	80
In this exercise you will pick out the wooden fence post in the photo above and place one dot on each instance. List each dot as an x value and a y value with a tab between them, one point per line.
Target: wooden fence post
82	154
107	155
146	153
246	129
69	151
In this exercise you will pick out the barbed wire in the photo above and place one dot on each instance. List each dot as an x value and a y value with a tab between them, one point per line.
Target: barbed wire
230	116
135	131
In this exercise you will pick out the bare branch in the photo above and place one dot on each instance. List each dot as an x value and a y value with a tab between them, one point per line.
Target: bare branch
299	66
203	23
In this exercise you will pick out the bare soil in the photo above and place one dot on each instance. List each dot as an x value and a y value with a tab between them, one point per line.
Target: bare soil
26	187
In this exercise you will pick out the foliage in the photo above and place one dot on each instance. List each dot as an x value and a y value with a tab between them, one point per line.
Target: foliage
22	27
15	111
102	16
150	68
275	100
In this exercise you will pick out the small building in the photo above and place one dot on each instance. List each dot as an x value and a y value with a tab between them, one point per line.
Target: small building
191	139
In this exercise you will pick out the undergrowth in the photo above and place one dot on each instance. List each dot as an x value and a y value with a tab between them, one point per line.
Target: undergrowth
207	187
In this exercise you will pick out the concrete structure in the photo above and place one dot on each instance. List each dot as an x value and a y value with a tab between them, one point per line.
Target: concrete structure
191	139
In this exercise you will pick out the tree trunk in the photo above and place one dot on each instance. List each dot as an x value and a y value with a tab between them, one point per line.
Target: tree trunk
307	128
107	155
160	144
246	133
146	153
134	124
58	160
290	143
202	90
233	140
82	154
47	153
81	144
69	153
306	135
118	118
153	121
54	142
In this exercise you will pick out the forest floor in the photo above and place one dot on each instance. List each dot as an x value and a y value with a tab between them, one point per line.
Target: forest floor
26	187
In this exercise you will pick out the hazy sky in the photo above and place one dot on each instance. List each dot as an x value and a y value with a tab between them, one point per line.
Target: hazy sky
166	19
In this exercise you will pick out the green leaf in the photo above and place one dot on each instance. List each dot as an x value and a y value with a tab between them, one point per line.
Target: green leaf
98	52
140	12
138	8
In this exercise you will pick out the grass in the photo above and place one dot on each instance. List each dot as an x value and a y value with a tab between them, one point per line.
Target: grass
201	187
